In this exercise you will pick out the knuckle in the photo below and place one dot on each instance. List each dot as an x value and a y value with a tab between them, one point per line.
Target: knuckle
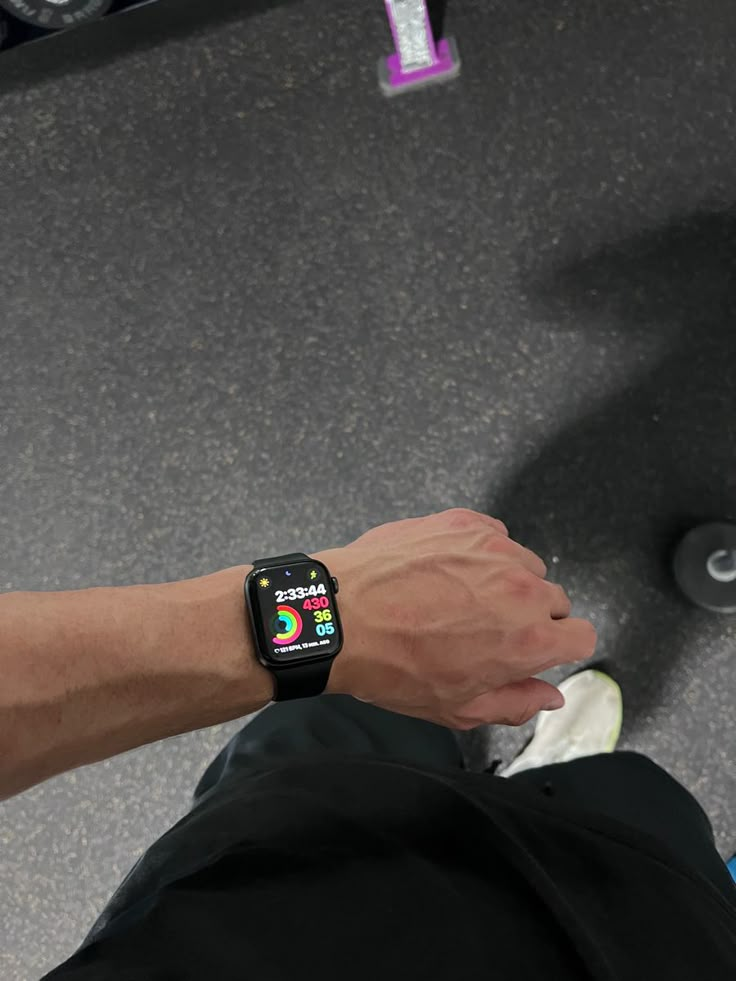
462	517
561	592
495	526
502	526
520	582
531	639
454	680
500	543
465	518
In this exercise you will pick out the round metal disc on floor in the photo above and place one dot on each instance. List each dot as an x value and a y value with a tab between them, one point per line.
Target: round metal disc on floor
705	567
56	15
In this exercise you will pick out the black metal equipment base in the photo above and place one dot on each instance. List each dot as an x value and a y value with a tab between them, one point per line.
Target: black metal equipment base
705	567
23	21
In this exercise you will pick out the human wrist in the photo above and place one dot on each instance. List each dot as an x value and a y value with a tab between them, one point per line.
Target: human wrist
354	660
246	684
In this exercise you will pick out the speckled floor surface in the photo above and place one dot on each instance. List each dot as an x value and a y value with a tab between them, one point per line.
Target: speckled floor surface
250	306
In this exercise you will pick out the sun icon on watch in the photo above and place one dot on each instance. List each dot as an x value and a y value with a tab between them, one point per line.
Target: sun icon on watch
264	582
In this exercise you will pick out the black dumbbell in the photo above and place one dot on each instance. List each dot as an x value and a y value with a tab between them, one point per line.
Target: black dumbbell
56	15
705	566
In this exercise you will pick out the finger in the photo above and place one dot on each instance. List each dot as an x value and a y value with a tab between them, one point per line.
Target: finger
560	605
498	545
537	593
558	642
538	647
511	705
531	561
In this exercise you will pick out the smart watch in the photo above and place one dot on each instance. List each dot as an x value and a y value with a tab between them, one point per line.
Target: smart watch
292	605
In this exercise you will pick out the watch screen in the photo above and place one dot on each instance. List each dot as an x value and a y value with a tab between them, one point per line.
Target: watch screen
295	611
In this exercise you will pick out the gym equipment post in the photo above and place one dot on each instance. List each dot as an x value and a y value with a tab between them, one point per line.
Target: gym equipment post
417	60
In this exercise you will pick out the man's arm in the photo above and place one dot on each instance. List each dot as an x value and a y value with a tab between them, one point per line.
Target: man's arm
445	618
89	673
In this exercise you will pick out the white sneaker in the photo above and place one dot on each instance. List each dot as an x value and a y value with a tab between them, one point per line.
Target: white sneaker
588	723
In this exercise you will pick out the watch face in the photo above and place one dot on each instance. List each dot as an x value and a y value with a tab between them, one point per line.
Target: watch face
294	611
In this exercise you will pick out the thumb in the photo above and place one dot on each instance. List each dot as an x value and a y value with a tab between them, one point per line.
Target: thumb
513	704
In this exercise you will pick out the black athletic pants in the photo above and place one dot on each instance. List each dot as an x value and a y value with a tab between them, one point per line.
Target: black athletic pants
622	785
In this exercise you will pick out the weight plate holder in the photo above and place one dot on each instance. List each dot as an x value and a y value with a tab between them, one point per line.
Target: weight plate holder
56	15
705	566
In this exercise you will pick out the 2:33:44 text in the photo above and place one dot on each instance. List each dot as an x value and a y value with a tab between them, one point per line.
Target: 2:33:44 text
282	595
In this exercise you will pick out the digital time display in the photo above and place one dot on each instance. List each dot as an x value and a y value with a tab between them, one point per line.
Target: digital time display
295	611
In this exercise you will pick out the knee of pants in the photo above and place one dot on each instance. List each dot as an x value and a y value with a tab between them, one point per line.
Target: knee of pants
659	772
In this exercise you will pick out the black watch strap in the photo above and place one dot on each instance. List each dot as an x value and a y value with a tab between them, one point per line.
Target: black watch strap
282	559
298	680
301	680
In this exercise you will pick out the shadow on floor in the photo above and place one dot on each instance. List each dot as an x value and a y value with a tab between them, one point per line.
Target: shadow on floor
612	495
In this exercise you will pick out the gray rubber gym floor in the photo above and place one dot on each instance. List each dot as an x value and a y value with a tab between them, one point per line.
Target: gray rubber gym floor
248	305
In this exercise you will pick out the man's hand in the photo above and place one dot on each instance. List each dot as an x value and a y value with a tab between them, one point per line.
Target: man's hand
447	619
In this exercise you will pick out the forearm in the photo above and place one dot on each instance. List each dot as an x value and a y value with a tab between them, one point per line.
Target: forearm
86	674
